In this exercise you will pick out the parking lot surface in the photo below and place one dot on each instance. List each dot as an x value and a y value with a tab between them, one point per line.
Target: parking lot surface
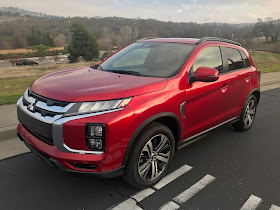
224	170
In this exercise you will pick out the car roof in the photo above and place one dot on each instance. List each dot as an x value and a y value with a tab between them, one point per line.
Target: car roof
172	40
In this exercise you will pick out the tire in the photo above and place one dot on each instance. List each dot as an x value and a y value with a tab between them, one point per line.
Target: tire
248	114
153	149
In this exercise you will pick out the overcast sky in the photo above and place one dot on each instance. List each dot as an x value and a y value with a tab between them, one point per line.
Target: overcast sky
233	11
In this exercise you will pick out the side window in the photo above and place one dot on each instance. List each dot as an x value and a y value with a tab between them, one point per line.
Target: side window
209	57
247	62
235	60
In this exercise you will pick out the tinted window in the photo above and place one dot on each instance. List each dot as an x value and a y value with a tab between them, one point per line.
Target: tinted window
247	62
209	57
154	59
235	60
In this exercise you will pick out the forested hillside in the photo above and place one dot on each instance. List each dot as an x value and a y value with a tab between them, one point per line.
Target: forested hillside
116	31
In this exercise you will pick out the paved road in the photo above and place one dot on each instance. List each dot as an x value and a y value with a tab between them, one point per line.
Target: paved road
225	170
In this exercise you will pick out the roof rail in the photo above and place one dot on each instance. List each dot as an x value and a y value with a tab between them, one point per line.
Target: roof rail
146	38
204	39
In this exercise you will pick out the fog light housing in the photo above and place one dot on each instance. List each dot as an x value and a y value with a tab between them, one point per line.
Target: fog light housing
95	143
95	137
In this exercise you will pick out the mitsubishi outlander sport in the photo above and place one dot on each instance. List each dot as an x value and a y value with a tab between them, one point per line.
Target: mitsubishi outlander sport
128	114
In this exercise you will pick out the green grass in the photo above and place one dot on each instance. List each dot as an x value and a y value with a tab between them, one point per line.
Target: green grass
11	89
266	61
259	44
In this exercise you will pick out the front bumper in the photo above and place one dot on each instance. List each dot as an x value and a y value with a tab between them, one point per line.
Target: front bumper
61	160
66	145
54	163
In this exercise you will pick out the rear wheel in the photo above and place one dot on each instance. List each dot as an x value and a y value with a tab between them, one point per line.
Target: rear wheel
248	115
151	156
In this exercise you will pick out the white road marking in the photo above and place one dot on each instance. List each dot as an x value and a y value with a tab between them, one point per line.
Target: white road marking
190	192
252	203
174	175
129	204
143	194
170	206
273	207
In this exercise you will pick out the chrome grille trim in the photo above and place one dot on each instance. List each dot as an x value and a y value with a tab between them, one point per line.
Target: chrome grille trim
36	115
42	105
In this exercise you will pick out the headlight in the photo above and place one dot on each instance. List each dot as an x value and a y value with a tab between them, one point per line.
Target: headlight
97	106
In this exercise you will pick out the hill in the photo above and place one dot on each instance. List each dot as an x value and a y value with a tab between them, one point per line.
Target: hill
116	31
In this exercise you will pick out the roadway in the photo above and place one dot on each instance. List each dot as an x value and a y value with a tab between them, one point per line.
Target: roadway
225	170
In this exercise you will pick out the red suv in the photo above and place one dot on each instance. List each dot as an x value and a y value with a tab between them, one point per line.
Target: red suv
129	114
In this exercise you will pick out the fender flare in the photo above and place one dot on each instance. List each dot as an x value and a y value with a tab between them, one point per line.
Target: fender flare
141	127
251	93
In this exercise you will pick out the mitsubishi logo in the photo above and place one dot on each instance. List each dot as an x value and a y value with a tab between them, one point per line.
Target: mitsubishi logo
31	107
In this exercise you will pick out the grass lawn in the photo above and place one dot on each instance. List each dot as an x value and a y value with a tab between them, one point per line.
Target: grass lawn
15	80
11	89
266	61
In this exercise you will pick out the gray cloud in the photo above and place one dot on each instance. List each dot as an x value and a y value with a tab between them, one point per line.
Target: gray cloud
176	10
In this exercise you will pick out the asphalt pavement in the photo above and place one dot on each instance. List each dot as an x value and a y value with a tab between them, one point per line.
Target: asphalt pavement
225	170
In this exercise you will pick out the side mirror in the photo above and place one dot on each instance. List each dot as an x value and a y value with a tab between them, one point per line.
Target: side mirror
205	74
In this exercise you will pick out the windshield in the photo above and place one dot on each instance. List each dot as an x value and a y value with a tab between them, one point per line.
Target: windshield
152	59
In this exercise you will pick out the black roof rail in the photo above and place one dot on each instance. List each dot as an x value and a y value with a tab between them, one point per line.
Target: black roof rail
204	39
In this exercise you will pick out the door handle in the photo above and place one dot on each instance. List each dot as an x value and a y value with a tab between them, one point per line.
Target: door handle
247	79
224	88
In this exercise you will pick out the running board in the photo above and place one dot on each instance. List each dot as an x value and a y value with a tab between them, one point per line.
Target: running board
202	134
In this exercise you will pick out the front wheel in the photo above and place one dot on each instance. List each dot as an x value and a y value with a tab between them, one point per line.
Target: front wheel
151	156
248	115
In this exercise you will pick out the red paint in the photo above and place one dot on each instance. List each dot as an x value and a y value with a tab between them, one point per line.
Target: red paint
207	104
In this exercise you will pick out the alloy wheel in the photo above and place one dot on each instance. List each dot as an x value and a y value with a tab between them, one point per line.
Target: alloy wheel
250	113
154	157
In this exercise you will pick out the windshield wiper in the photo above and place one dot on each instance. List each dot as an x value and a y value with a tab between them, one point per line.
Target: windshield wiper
125	72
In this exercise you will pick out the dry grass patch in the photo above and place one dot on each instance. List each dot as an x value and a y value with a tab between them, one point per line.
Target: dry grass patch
15	80
31	71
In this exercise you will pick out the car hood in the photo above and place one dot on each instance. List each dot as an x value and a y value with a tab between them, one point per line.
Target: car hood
87	84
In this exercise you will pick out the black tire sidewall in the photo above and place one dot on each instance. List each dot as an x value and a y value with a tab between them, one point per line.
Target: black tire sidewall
244	109
132	167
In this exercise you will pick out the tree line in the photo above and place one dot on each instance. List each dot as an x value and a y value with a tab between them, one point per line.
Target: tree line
117	31
36	37
269	28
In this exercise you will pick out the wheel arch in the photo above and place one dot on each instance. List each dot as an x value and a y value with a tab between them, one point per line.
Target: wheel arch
256	92
168	119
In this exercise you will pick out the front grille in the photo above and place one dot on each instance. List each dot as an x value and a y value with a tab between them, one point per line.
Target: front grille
37	114
43	130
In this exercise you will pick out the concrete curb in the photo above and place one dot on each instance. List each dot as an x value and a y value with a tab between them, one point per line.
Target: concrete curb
270	82
8	132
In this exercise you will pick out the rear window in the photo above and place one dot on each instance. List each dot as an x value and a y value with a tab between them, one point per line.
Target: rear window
235	60
152	59
247	62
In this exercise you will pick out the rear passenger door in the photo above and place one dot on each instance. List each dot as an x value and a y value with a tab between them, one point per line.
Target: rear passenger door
239	79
